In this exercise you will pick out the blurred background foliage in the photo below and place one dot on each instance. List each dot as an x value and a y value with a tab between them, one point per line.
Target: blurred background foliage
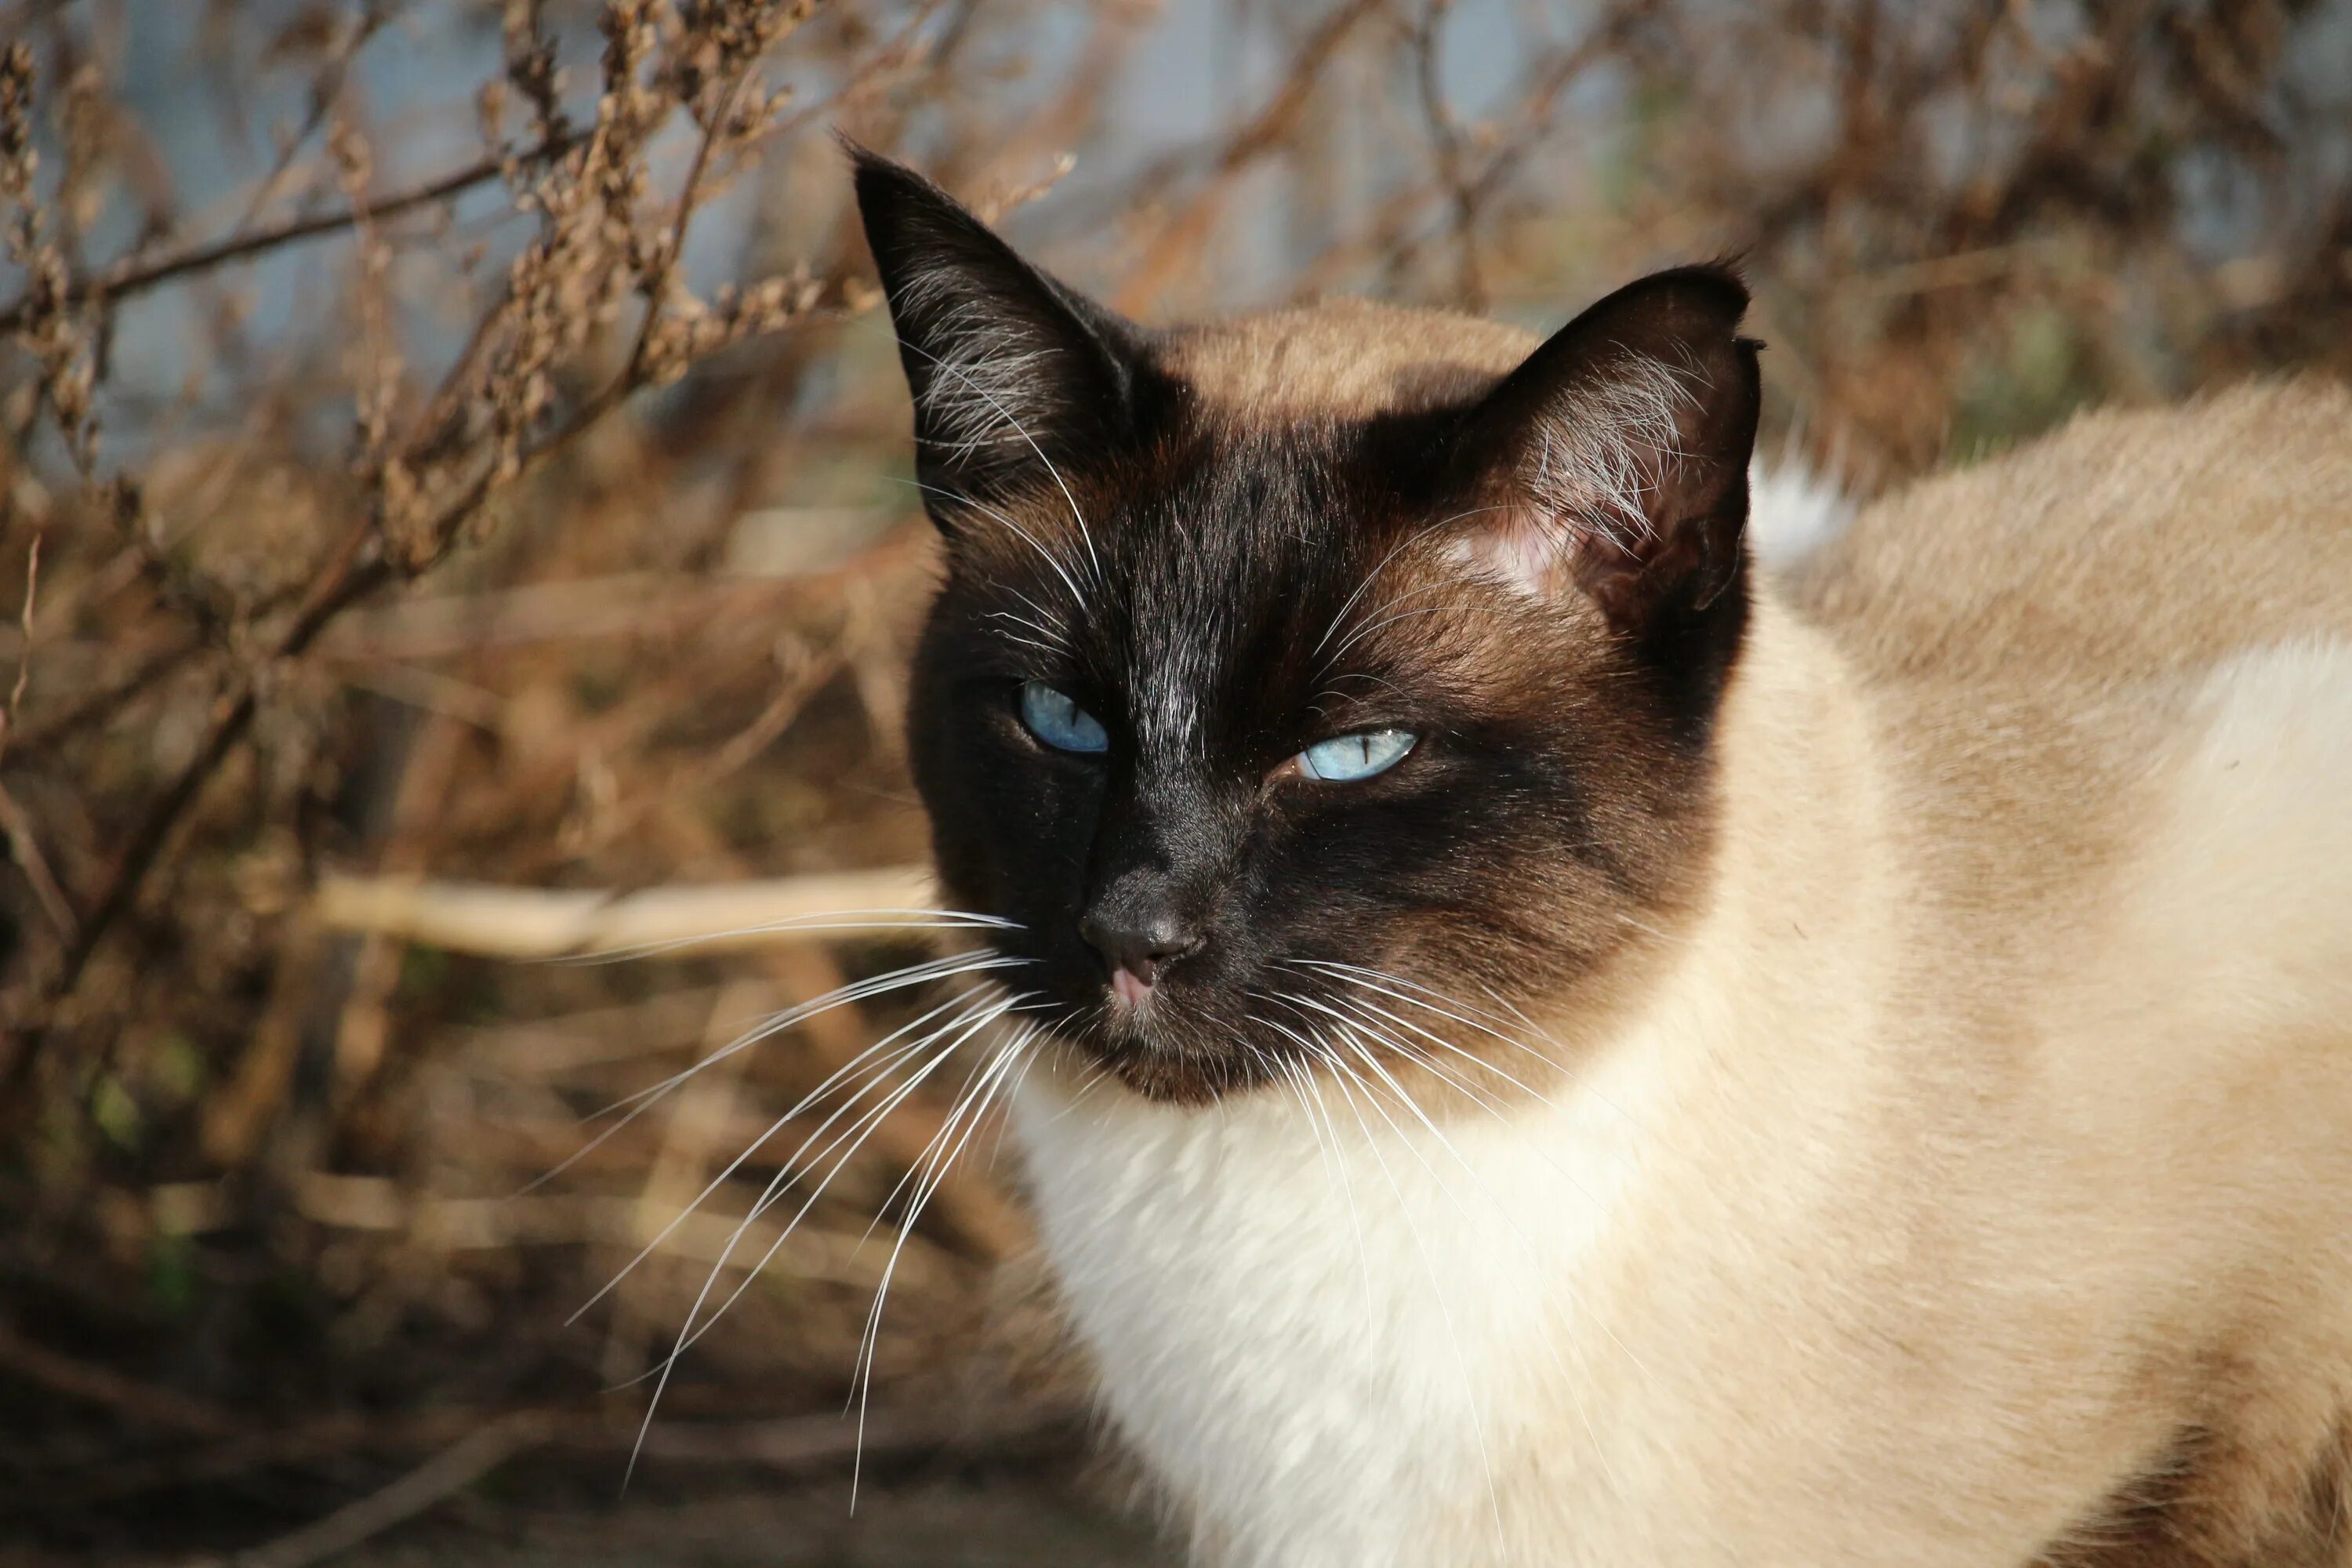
453	442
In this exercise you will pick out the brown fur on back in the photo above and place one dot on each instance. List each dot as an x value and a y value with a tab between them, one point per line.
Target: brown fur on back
2029	630
2129	543
2034	634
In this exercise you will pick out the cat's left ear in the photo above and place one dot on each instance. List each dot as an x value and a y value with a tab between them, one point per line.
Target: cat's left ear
1014	375
1614	460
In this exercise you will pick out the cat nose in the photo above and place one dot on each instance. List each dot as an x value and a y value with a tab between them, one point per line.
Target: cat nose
1139	941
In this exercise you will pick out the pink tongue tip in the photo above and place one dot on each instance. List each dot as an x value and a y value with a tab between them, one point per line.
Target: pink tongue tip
1127	988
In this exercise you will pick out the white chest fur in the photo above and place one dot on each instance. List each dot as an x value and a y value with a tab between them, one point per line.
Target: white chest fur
1333	1334
1782	1276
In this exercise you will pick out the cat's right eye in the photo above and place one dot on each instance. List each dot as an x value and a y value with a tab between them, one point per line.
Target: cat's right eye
1058	722
1345	759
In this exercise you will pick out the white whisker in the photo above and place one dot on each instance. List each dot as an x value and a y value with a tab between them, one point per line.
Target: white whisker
1446	1006
899	979
1459	1011
1358	1020
1354	1042
978	1108
1362	1006
637	1104
1029	642
1567	1379
1077	596
855	1135
966	378
690	1331
1093	1080
1053	642
865	1061
1415	536
1360	633
1047	621
1319	1122
1031	1059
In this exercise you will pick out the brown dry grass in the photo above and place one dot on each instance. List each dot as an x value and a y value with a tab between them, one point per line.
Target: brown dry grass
538	556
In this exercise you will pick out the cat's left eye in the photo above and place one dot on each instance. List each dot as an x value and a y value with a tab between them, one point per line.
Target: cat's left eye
1059	722
1344	759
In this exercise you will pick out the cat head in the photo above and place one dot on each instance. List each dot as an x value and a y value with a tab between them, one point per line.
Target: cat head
1337	686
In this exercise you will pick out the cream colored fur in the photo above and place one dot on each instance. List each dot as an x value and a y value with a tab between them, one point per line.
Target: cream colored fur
1990	1130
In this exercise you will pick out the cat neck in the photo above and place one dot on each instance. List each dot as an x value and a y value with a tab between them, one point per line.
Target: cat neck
1802	911
1263	1277
1782	958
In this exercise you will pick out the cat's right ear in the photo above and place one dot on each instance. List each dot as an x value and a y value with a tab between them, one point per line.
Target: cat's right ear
1014	375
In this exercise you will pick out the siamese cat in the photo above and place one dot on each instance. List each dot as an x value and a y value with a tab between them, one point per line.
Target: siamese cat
1558	1045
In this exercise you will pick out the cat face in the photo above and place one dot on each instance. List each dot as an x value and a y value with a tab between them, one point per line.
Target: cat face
1289	730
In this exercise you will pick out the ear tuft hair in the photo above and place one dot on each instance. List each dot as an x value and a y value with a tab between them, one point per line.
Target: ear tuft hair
1617	453
1012	372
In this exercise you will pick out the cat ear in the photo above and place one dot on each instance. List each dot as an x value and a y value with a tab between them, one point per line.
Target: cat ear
1013	372
1615	457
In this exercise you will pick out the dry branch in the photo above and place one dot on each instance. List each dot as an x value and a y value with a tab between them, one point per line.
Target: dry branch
796	1445
446	1473
135	276
444	1225
523	922
789	1445
598	242
142	1402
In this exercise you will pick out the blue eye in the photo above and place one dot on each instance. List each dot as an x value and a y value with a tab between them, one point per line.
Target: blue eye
1060	723
1347	758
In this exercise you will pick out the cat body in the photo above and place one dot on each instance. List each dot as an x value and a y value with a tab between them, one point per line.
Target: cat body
1925	1136
1933	1201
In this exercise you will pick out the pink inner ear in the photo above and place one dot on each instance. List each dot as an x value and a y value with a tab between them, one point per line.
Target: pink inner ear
1524	549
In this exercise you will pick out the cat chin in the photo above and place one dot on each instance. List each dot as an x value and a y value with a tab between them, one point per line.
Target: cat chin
1154	1069
1186	1085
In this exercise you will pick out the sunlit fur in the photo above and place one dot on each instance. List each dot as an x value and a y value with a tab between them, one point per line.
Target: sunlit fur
1990	1140
1929	1141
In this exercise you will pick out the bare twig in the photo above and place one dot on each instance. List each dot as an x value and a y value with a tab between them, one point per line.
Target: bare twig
352	577
386	544
25	848
24	1358
325	88
797	1445
192	742
24	652
24	844
1445	146
519	922
1258	137
132	277
445	1474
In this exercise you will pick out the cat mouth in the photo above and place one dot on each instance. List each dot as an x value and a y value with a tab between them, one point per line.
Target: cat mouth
1130	990
1139	1026
1140	1038
1174	1074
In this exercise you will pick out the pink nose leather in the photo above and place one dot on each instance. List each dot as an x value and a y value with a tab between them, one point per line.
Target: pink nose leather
1127	988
